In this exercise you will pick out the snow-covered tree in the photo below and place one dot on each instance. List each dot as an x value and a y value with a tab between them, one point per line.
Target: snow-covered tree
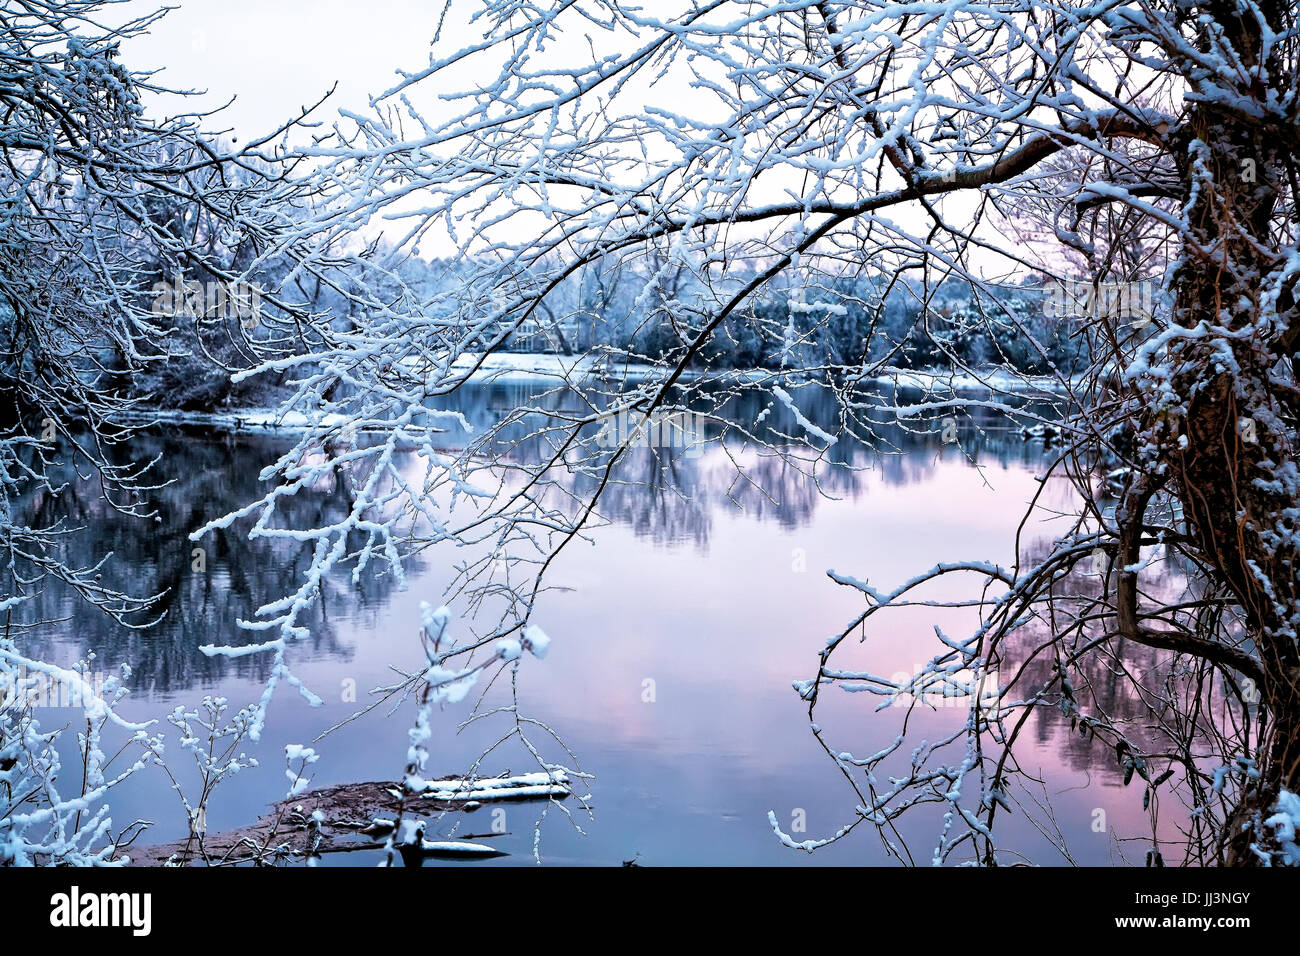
97	199
761	147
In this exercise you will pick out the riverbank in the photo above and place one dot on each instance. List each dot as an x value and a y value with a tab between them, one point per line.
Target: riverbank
550	371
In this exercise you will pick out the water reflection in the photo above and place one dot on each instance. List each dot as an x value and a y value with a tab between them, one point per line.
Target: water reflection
201	593
664	496
696	587
671	496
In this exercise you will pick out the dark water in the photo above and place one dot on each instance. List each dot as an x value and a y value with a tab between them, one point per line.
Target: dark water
675	640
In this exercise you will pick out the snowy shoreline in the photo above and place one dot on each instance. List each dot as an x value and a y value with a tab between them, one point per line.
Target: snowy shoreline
951	380
542	368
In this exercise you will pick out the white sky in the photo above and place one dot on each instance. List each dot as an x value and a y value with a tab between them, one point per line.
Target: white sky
276	55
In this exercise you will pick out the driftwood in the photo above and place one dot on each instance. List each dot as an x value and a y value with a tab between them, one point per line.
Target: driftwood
352	817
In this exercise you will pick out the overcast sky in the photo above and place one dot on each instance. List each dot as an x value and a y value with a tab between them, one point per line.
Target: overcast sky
276	55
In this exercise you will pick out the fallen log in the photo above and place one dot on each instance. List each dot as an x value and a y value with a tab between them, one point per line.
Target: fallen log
352	817
527	786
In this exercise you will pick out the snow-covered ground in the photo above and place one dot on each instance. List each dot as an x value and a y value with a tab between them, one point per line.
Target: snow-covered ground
557	369
955	380
233	420
530	365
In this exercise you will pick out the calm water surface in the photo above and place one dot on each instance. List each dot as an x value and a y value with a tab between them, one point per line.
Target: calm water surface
710	594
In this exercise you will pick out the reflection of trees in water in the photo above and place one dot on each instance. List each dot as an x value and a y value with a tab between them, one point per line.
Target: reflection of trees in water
1103	689
1128	684
207	475
663	495
668	495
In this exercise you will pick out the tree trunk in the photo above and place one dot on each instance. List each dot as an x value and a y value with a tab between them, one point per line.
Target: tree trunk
1234	472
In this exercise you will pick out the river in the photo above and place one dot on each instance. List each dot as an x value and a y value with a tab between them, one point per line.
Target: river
675	638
